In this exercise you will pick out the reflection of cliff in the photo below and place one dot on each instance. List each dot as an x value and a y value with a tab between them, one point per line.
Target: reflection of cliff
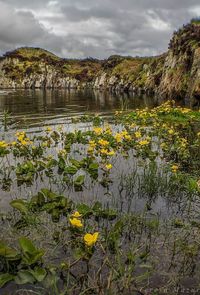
175	74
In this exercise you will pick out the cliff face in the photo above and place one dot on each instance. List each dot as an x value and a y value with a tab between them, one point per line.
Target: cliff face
175	74
181	71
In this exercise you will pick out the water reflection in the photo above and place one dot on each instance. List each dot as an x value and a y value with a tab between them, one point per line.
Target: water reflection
39	105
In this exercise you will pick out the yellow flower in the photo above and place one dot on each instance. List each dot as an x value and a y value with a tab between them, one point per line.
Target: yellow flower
104	151
75	222
21	134
143	142
3	144
171	131
97	130
92	143
24	142
110	153
90	150
103	142
127	137
48	129
76	214
124	133
108	166
118	137
90	239
108	131
185	110
138	134
174	168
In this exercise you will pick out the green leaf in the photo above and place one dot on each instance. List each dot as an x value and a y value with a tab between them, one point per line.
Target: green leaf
5	278
72	170
30	254
39	273
97	206
26	245
93	170
79	181
93	166
76	163
8	253
24	277
84	209
30	259
20	205
48	194
38	200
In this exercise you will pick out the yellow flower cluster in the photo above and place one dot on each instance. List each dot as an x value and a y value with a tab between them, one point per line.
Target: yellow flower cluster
75	221
90	239
103	142
23	139
119	136
106	152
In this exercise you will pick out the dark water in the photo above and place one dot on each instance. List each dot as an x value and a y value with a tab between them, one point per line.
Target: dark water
30	108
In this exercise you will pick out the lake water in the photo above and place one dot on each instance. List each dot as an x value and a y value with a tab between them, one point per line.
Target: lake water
136	188
35	108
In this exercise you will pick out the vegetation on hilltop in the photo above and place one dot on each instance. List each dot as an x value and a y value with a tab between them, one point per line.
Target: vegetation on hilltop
32	54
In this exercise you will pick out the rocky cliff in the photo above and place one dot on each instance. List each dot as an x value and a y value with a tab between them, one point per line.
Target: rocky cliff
174	74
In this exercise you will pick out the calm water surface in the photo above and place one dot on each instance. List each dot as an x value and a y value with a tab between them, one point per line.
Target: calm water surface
35	108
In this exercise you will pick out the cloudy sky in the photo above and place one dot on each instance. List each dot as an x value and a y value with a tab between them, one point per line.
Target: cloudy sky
97	28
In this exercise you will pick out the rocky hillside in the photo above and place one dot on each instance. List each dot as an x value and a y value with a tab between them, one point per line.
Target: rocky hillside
38	68
175	74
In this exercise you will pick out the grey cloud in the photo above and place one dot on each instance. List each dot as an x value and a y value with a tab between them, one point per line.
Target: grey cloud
77	28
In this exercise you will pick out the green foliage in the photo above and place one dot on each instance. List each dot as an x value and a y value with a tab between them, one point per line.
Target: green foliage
21	266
